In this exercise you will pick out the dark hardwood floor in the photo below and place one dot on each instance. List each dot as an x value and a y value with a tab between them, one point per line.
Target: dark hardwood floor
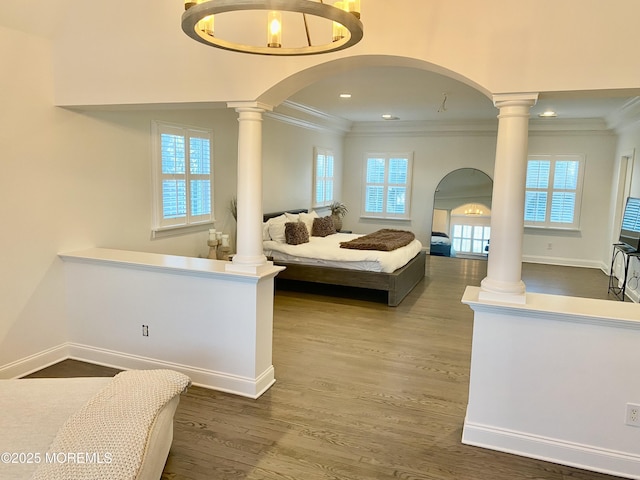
363	391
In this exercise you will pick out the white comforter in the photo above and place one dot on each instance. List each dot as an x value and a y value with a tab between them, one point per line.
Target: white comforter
326	251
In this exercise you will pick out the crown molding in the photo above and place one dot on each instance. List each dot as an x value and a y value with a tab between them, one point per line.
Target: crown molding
569	126
399	128
306	117
626	117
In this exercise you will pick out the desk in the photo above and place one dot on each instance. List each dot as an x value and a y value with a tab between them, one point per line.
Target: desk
618	286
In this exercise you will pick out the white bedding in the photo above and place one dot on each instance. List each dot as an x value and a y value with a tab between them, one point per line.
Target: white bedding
437	240
33	410
326	251
37	414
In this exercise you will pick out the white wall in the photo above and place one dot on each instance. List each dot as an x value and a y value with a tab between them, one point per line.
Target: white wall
72	180
497	45
551	380
32	184
590	245
288	164
435	155
440	221
212	325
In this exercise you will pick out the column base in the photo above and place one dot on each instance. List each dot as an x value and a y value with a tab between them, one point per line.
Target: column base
504	292
249	268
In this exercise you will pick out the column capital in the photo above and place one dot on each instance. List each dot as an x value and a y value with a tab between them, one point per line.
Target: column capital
515	99
250	106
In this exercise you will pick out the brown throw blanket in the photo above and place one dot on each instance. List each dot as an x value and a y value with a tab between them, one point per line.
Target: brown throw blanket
386	240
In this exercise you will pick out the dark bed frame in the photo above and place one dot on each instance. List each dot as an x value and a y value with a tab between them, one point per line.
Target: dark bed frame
397	284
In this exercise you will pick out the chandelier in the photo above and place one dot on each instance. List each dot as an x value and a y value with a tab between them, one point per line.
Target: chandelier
333	27
474	210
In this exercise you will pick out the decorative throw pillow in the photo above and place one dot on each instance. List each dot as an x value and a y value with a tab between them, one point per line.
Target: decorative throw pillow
296	233
323	226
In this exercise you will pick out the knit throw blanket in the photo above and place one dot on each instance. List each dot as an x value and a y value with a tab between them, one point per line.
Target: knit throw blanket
386	240
108	435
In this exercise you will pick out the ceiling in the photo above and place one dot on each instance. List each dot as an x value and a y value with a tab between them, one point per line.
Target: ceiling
411	94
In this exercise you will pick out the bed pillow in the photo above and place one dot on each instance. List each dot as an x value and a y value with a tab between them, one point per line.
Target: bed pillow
265	232
266	235
276	231
307	219
292	217
296	233
323	226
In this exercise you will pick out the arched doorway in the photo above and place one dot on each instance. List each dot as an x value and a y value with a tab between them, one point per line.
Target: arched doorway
461	223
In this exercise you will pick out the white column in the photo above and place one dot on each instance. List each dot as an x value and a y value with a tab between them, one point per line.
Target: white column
249	257
504	270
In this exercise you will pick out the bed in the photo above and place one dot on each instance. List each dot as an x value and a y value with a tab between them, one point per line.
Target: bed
440	244
92	427
372	270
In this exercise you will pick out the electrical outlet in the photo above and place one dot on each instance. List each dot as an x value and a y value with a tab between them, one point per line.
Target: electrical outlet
549	246
145	330
633	415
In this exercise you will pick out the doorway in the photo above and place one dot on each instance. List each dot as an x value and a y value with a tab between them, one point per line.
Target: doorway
461	223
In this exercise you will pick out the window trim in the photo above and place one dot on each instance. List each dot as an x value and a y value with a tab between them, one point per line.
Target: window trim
384	214
160	226
332	178
548	224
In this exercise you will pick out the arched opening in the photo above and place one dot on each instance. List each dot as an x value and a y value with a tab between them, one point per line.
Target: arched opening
289	86
461	223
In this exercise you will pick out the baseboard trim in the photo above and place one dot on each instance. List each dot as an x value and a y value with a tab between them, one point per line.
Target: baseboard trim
223	382
220	381
33	363
586	457
564	262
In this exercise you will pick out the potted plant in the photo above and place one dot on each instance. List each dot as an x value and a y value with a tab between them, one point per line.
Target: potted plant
338	210
233	207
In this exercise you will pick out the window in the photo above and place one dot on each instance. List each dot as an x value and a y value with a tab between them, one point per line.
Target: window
322	177
471	239
553	191
183	176
387	190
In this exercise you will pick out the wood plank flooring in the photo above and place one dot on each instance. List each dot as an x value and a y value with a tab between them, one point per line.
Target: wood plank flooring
364	391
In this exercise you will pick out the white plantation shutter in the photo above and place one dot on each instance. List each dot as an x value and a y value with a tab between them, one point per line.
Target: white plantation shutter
631	220
173	170
374	200
323	172
387	185
553	191
183	176
200	177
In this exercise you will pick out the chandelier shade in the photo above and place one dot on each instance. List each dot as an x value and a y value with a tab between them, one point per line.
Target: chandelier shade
344	28
473	210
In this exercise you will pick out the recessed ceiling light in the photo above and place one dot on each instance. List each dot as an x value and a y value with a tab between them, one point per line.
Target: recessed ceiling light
345	95
548	114
388	116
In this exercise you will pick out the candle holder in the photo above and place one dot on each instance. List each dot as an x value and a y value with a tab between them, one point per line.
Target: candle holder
213	249
224	250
